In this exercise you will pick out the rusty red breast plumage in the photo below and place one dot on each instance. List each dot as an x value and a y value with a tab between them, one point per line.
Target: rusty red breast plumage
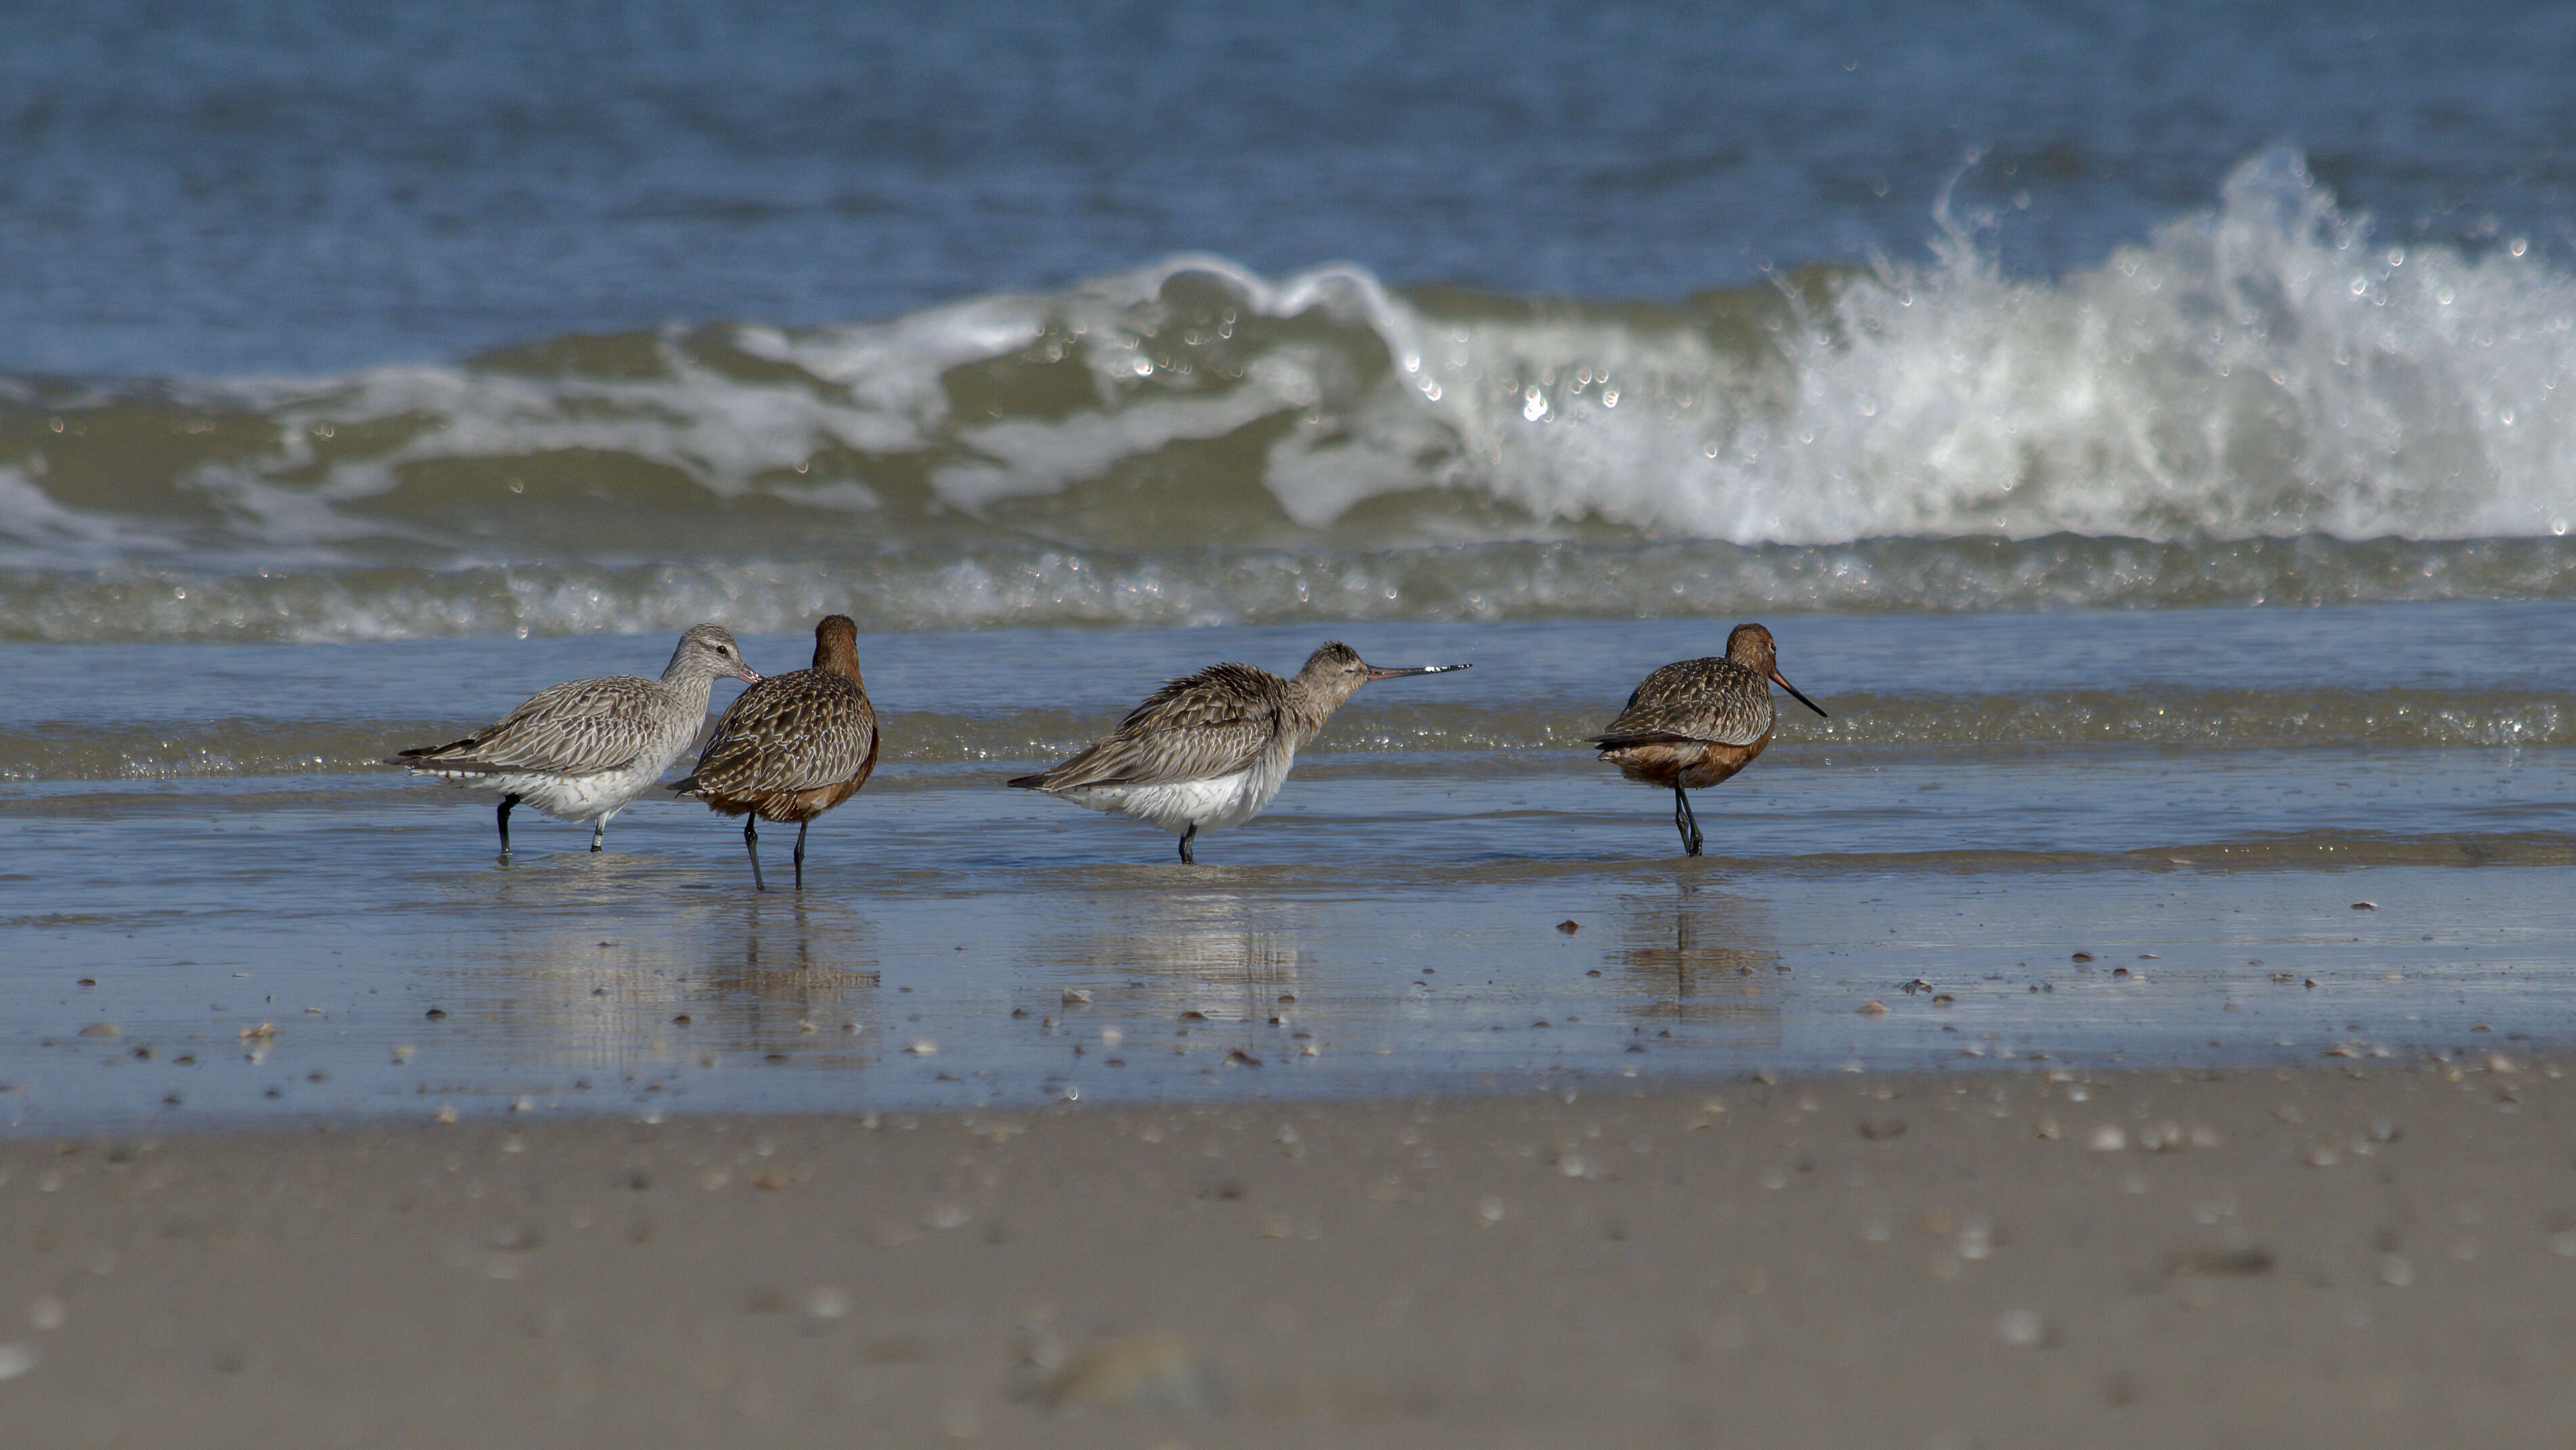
793	746
1694	723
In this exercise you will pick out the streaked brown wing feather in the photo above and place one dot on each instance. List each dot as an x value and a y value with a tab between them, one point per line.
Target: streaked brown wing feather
1213	723
799	731
580	727
1713	701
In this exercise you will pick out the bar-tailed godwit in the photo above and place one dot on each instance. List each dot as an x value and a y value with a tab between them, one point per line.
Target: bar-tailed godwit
1695	723
793	746
581	750
1211	750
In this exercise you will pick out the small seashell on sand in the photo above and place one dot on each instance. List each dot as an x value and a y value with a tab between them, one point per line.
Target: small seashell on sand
2024	1329
1136	1372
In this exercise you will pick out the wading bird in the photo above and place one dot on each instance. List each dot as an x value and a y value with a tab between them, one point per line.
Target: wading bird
1211	750
581	750
1696	722
793	746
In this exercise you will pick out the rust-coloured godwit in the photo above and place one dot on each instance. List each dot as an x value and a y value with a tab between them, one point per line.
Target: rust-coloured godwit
1211	750
793	746
581	750
1696	722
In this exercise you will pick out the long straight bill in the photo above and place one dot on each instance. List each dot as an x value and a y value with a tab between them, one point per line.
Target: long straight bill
1782	681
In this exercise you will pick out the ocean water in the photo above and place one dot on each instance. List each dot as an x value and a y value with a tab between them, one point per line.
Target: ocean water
2146	428
2257	404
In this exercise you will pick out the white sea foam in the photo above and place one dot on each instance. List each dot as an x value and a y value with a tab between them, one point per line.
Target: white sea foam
36	532
2263	370
2266	369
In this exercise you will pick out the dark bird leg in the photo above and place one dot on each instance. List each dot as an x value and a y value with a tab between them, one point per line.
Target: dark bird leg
800	854
1686	821
507	801
598	837
751	843
1186	837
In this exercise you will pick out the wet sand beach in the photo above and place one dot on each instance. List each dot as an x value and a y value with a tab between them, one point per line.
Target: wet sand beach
2365	1256
2116	1029
2131	1009
2199	838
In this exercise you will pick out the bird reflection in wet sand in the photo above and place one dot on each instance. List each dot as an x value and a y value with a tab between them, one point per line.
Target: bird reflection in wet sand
1694	723
650	996
800	988
778	953
1212	749
1210	965
1702	963
792	746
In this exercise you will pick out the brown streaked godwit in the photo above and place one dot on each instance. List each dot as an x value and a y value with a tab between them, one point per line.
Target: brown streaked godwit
1695	723
793	746
581	750
1211	750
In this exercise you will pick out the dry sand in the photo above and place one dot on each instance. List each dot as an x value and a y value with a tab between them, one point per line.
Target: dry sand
2378	1256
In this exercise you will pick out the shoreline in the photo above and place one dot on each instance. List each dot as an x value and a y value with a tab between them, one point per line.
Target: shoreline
2373	1254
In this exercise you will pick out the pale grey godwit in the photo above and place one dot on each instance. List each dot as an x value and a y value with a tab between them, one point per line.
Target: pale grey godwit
793	746
1211	750
581	750
1695	723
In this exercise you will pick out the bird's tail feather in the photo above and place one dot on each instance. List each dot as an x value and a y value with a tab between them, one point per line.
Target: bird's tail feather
426	763
432	752
1650	737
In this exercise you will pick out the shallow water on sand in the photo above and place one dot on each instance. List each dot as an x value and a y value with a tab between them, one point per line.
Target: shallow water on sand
204	929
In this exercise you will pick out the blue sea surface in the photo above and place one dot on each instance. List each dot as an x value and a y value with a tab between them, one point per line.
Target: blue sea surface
255	186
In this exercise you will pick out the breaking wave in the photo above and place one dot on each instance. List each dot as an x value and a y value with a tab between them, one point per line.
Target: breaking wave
2256	403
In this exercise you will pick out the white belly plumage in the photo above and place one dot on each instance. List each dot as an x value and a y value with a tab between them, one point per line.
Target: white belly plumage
1220	801
580	799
